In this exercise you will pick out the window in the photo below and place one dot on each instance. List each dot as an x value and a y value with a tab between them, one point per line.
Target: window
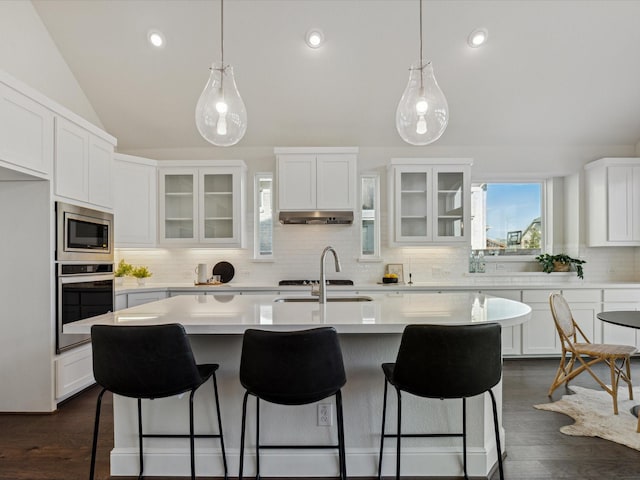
263	196
506	218
370	217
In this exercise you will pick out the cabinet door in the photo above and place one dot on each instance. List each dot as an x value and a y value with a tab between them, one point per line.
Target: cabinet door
412	205
71	166
620	203
219	206
134	299
135	204
297	182
26	132
511	336
100	172
336	182
451	214
178	205
617	334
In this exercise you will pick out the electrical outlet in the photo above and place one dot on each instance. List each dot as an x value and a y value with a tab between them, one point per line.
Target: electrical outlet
325	415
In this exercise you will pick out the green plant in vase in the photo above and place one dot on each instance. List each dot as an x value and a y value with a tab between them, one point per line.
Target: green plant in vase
560	263
141	273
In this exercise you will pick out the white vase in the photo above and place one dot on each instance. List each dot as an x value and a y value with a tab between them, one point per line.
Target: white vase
119	280
142	281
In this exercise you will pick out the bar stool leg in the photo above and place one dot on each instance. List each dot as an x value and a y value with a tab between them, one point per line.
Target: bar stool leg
257	438
342	454
464	437
96	426
242	433
399	434
224	453
497	430
384	416
140	437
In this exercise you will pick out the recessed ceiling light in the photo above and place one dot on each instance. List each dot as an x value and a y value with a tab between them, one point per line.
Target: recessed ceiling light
478	37
314	38
156	38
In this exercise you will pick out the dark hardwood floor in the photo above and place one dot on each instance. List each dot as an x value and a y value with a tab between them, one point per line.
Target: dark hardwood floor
58	446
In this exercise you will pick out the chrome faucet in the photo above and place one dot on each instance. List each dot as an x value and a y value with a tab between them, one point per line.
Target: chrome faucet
322	297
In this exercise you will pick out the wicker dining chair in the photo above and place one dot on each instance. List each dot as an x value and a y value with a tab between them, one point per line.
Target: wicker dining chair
579	356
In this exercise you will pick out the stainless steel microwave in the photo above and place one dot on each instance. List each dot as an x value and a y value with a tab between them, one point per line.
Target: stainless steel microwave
83	234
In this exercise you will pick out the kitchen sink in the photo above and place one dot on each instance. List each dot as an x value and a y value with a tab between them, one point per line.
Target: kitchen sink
329	299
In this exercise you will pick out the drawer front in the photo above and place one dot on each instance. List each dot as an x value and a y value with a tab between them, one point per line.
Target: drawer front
621	295
537	296
590	295
508	294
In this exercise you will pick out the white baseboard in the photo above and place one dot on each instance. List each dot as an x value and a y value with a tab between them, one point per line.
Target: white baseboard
422	462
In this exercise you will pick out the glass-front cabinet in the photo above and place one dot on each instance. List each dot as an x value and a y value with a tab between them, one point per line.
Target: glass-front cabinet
430	201
202	205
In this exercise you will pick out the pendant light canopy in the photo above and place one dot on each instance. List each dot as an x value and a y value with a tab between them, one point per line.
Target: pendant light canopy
221	116
423	113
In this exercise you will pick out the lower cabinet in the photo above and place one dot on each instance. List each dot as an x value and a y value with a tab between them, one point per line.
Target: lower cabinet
140	298
511	336
620	299
74	371
539	334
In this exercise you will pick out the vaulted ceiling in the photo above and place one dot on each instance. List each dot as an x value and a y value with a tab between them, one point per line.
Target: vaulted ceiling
563	73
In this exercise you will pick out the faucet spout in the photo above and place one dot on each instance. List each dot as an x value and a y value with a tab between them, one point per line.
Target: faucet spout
322	297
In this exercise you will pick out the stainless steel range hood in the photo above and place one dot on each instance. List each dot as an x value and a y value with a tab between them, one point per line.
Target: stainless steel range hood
317	218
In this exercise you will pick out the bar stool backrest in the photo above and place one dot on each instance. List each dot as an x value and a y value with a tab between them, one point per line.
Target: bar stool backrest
449	361
292	368
152	361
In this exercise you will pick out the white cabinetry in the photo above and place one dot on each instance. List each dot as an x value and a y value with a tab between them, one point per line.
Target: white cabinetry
430	201
511	336
83	164
316	178
539	334
74	371
203	204
134	299
612	194
616	300
135	201
26	133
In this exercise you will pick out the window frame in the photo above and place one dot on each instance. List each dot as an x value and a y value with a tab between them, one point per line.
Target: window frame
546	217
376	256
257	178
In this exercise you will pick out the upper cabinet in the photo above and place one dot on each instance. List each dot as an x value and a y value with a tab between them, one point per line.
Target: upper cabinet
202	204
612	196
83	164
429	201
317	178
135	201
26	133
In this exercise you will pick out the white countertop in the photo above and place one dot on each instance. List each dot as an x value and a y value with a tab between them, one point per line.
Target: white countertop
233	314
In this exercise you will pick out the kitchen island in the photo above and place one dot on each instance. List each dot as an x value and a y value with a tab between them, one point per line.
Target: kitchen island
370	328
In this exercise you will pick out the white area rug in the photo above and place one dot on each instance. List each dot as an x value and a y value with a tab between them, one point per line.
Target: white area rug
592	411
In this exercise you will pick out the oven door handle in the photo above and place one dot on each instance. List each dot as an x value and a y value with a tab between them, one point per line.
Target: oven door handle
65	279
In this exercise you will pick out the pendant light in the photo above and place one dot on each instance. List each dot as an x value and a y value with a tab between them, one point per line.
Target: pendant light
423	113
221	116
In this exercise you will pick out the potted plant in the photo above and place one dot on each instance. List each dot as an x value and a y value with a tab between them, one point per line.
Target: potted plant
560	263
141	273
122	271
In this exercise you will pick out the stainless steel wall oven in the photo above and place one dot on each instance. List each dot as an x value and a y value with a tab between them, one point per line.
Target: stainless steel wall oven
83	291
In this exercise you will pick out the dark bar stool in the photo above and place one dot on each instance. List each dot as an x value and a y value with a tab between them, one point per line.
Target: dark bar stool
438	361
149	362
292	368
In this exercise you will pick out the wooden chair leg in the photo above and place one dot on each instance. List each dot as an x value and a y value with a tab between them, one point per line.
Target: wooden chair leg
614	385
627	362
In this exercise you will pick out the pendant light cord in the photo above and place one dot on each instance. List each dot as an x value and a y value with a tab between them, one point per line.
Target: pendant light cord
421	65
222	33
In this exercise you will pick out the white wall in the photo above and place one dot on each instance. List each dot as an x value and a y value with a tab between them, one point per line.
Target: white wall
28	53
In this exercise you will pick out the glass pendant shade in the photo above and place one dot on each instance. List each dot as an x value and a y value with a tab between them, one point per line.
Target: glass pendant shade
221	116
423	113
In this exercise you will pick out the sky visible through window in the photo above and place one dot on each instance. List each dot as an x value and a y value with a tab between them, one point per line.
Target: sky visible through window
511	206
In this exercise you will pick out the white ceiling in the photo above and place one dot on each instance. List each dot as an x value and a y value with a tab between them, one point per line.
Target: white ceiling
563	73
